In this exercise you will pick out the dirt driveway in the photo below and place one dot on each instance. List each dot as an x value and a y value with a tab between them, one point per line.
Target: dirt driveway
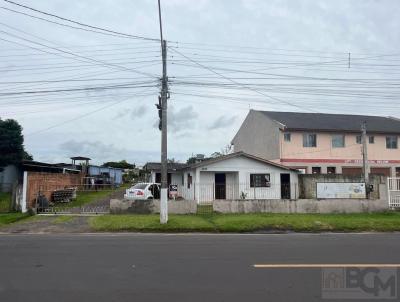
60	224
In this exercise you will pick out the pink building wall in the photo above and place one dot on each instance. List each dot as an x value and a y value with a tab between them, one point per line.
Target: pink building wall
294	154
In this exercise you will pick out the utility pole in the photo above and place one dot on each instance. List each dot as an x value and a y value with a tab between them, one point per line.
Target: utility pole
365	154
163	125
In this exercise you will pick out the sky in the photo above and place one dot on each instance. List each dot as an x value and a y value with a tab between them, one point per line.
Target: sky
77	90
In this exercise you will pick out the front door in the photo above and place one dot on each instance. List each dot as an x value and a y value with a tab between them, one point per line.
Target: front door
220	186
285	186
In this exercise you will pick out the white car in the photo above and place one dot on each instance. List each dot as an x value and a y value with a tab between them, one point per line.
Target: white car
143	191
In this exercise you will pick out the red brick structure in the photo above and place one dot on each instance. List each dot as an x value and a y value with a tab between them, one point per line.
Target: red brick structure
46	183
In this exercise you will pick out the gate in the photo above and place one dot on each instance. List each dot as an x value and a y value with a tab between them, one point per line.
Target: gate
393	184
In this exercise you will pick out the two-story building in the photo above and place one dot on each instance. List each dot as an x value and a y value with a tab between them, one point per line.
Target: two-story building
321	143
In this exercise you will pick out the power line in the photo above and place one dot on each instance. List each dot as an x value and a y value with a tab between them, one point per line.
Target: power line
80	23
237	83
76	118
75	89
71	53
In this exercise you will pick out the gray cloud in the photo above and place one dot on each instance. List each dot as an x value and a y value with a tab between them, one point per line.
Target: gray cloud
101	152
139	112
363	27
182	119
222	122
135	113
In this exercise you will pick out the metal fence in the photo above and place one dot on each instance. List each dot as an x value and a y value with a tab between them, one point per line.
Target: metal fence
76	199
206	193
393	185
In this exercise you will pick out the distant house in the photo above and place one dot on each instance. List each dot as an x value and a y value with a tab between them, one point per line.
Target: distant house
321	143
152	171
109	174
8	177
234	176
99	174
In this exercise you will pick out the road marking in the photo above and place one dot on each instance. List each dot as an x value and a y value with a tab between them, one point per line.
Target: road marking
339	265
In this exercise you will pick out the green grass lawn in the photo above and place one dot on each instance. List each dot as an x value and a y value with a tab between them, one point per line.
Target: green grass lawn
383	222
5	202
11	217
85	197
150	223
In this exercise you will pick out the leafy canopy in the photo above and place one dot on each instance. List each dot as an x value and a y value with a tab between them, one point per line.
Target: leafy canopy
123	164
12	150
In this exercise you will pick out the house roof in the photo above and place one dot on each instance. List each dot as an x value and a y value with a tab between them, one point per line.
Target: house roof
152	166
30	165
238	154
334	122
80	158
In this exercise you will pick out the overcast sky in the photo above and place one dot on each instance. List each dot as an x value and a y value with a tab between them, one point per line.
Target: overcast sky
224	58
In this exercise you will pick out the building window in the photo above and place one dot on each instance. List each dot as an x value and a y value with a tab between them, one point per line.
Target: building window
391	142
301	170
338	141
316	170
331	170
371	139
397	171
309	140
260	180
189	181
358	139
287	137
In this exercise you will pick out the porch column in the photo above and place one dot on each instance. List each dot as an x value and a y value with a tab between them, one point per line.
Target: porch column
197	185
24	203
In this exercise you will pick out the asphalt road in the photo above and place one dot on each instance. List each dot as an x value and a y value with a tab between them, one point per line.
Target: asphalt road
150	267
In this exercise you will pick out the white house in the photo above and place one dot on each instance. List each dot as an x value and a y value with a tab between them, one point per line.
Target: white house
234	176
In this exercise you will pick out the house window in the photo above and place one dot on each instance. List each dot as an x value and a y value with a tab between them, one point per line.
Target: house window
316	170
260	180
189	180
397	171
183	179
371	139
331	170
391	142
309	140
358	139
338	141
286	137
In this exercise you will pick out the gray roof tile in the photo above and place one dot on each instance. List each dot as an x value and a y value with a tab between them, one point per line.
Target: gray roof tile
334	122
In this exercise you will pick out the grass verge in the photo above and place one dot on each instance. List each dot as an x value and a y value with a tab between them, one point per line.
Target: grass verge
236	223
150	223
11	218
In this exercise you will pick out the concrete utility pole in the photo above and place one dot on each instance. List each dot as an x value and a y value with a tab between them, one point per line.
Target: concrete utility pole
163	126
364	152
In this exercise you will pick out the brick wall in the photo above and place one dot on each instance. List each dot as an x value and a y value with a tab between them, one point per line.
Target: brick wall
46	183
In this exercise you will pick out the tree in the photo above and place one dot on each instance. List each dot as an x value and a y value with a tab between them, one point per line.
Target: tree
228	149
191	160
123	164
12	143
